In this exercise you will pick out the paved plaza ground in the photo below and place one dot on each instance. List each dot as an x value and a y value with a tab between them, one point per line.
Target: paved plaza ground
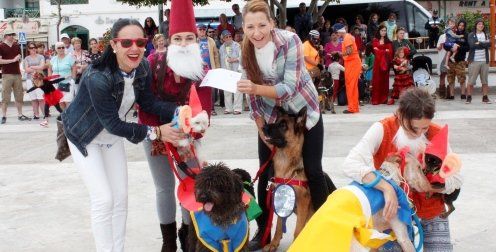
44	205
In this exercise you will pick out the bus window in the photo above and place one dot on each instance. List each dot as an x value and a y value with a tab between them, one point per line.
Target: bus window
416	19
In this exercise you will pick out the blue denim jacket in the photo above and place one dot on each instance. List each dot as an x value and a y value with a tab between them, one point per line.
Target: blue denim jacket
97	104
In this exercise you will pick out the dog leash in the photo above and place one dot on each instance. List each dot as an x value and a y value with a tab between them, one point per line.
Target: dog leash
174	159
264	165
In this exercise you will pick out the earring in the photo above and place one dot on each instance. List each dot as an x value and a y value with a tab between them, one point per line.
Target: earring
145	50
115	51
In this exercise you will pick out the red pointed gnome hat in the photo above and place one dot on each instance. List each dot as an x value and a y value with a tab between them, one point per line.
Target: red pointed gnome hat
438	146
182	17
194	101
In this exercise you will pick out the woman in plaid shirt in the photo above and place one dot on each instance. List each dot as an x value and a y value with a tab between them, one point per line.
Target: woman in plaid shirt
274	74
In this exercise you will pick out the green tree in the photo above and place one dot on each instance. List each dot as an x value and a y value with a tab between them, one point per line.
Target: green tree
471	17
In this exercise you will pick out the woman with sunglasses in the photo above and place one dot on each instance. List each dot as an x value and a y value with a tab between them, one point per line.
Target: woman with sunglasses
63	64
34	63
95	126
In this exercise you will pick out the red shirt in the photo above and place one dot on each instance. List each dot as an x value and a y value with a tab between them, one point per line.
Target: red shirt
10	52
228	27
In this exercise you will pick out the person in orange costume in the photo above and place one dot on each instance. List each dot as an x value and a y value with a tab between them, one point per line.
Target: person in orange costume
353	66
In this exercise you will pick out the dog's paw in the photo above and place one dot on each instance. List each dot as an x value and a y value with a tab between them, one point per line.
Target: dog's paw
270	247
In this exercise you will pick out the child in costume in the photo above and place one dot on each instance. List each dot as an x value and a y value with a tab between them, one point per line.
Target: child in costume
52	95
402	75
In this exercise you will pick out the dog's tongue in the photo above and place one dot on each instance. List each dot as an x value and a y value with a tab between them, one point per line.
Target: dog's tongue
208	206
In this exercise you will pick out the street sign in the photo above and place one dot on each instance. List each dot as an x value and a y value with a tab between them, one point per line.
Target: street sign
22	38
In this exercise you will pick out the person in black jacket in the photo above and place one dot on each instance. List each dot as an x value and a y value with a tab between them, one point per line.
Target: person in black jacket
372	26
457	68
432	27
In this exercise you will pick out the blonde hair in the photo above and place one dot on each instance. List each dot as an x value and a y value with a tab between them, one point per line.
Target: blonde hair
249	60
76	40
398	51
157	37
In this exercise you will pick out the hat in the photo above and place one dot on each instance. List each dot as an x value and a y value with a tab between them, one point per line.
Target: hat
225	32
314	33
194	101
202	26
338	27
64	35
9	31
438	146
182	17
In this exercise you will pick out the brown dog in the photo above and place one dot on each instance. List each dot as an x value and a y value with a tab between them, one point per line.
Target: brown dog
287	135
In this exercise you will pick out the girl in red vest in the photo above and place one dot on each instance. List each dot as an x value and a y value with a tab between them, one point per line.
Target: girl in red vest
410	126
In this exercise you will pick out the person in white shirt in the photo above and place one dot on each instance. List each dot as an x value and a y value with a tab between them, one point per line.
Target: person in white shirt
411	126
335	68
230	53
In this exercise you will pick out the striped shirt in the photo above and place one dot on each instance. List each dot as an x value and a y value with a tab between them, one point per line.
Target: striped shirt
294	87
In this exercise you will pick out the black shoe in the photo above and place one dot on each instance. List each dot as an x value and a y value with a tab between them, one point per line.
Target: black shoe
169	237
23	118
36	118
469	99
183	236
256	243
4	120
486	100
463	97
347	112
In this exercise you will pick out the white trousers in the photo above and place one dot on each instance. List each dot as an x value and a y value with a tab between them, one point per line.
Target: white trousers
238	101
104	172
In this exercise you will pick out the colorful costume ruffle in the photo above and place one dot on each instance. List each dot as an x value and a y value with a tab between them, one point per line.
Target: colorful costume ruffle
53	98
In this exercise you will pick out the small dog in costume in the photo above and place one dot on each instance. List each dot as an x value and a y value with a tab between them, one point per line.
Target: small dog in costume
351	219
222	224
440	165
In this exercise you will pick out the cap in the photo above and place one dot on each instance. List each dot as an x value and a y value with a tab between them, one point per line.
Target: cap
202	26
314	33
64	35
225	32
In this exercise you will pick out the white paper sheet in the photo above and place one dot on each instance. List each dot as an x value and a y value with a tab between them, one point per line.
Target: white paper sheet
222	79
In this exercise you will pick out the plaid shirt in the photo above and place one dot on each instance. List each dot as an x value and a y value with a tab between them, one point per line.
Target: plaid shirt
293	84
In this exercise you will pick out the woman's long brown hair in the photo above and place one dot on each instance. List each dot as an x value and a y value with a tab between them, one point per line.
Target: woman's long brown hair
249	60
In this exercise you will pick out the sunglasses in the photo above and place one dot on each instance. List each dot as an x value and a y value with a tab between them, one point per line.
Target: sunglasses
126	43
227	36
211	31
32	47
61	47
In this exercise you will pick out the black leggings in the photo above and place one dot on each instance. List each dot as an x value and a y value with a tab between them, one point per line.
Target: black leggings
47	108
312	161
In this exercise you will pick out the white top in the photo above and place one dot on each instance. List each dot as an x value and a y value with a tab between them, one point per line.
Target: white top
441	52
335	69
127	102
480	55
360	161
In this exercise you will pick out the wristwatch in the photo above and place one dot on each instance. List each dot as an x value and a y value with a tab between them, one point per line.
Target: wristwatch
152	133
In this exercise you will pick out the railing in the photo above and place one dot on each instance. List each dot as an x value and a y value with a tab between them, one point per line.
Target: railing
20	12
420	42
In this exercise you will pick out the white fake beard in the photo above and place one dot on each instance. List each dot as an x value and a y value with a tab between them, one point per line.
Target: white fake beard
265	58
186	61
416	145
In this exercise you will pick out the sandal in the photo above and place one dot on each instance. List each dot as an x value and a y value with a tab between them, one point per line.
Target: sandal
227	112
44	124
237	113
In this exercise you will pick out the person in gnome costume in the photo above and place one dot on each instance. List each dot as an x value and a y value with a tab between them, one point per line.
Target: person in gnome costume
410	126
173	75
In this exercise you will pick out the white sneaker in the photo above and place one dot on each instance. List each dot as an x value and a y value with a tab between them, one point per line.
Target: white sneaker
44	124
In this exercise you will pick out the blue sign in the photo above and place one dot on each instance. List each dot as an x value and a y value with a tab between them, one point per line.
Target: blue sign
22	38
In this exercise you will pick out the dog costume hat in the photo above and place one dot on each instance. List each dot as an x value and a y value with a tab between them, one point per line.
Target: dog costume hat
438	147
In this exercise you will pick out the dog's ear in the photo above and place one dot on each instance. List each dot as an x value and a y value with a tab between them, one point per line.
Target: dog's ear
301	119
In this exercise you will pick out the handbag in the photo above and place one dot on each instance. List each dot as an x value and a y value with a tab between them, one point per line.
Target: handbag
65	86
63	150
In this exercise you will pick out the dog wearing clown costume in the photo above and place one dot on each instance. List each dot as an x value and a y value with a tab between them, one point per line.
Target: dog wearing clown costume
352	220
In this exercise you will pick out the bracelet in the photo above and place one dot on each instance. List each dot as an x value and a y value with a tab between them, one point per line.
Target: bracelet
157	131
378	177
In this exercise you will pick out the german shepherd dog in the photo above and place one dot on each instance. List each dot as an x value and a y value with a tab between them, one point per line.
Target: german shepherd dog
287	135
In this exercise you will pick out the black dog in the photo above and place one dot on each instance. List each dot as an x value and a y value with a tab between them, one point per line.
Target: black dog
433	165
220	191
